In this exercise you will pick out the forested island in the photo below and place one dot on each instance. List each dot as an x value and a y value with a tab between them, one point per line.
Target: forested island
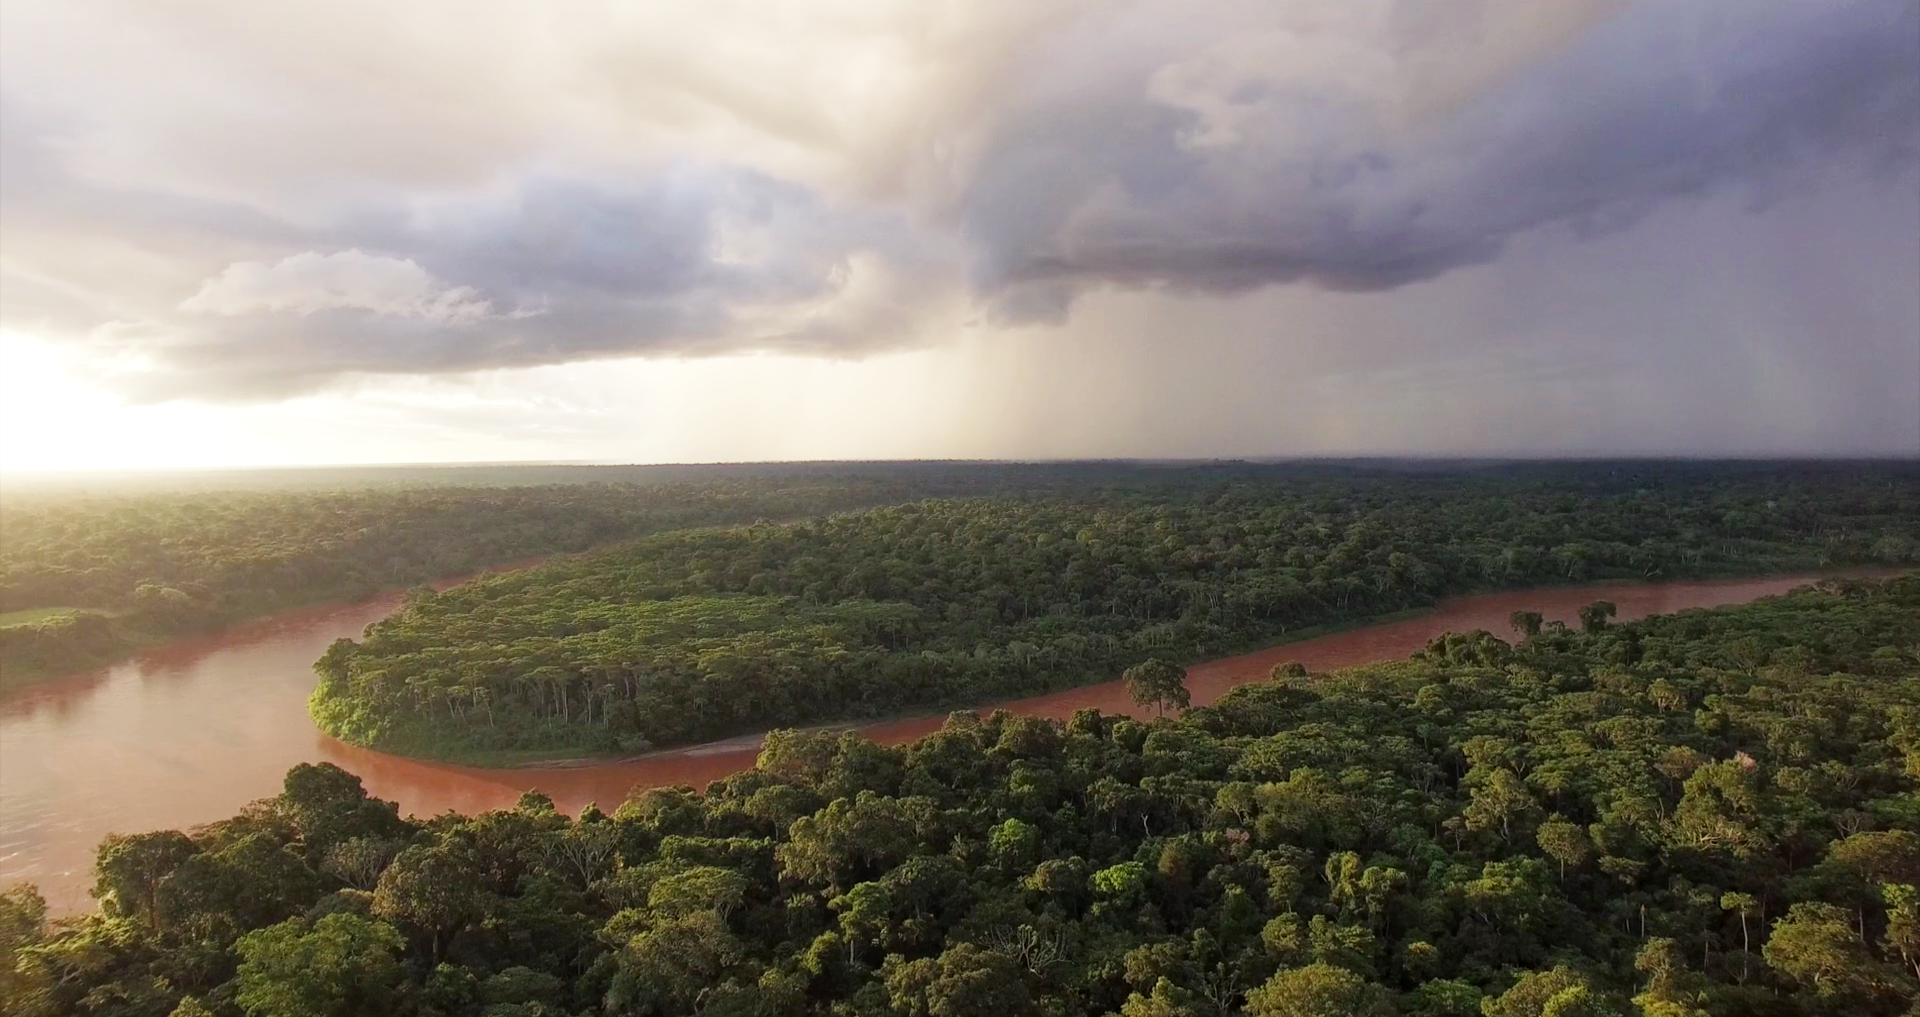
700	634
1708	814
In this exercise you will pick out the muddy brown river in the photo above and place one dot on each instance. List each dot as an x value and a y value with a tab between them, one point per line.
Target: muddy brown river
188	733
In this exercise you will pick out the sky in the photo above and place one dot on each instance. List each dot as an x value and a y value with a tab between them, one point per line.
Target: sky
412	231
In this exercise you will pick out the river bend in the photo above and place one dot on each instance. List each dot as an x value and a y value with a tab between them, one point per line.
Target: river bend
188	733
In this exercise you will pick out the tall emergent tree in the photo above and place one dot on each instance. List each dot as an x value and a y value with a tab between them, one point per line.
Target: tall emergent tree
1156	683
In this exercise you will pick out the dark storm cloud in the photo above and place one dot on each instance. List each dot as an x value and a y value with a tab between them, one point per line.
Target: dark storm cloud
1203	148
1118	186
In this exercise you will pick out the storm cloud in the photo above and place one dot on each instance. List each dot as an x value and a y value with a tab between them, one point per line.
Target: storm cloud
248	201
1234	164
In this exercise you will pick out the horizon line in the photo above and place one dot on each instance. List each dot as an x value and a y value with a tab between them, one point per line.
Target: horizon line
1261	460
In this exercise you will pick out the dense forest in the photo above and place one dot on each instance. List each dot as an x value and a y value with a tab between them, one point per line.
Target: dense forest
87	574
1709	814
700	634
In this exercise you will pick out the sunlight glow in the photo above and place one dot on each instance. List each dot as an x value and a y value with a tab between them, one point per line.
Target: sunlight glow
755	406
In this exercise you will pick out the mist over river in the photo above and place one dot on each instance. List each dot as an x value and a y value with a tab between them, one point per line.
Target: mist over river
190	732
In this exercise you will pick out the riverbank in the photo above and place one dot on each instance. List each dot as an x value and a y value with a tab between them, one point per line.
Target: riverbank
546	759
103	637
564	758
1270	653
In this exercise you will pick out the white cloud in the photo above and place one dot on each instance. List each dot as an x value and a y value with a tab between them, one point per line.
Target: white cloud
309	282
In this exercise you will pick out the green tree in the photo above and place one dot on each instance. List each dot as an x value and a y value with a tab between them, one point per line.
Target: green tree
1880	856
1671	990
250	882
1747	907
700	888
866	916
1167	1000
1498	801
1903	924
1122	887
1593	617
130	869
1722	807
23	925
1445	997
359	861
1561	992
667	968
329	805
1319	990
1564	842
430	891
963	981
535	993
339	966
1154	682
1015	844
1816	946
847	840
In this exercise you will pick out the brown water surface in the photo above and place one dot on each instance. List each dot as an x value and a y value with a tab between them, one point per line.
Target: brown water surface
190	732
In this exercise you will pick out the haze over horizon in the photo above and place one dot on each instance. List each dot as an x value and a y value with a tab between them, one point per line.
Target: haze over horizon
294	234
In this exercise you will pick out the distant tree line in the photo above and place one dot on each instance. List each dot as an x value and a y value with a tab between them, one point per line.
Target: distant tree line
1708	813
135	568
700	634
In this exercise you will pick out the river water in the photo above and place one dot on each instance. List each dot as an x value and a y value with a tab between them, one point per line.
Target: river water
188	733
